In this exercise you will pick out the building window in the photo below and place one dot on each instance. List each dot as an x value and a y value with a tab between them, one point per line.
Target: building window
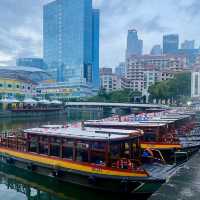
9	85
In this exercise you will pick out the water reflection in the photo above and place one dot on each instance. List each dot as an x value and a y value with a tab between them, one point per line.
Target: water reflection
16	184
21	123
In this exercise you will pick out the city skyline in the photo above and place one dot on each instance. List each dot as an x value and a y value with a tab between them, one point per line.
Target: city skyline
21	33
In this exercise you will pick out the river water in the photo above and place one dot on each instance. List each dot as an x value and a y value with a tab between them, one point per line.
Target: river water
17	184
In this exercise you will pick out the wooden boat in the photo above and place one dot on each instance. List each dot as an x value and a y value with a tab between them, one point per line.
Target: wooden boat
105	160
173	133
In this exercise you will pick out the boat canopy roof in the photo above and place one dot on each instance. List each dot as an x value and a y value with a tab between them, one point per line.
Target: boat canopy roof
86	134
158	121
52	126
131	123
175	117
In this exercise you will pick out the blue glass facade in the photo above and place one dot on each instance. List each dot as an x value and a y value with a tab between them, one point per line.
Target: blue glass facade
95	47
134	44
31	62
68	40
170	44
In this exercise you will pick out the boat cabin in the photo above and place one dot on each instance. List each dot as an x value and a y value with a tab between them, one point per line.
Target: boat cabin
104	147
158	129
151	131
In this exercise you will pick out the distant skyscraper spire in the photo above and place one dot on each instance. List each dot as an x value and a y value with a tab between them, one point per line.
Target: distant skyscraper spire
134	44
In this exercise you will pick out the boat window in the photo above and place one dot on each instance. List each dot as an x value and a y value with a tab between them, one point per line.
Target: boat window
43	139
82	152
55	140
98	146
43	149
97	152
97	157
115	151
119	150
55	150
67	150
33	143
149	137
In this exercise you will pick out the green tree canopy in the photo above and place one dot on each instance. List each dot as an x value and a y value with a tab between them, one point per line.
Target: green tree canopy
176	88
120	96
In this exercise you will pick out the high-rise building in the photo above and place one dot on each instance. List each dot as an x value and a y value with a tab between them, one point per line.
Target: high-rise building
120	70
188	44
71	40
95	47
191	55
170	44
156	50
134	44
31	62
188	49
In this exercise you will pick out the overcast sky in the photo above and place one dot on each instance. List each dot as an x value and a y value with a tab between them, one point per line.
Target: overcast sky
21	26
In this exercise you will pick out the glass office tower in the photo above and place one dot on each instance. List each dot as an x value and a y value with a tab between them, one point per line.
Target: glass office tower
134	44
170	43
95	48
70	40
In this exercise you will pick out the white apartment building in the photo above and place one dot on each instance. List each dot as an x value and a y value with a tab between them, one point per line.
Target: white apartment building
143	71
161	62
195	83
165	75
109	81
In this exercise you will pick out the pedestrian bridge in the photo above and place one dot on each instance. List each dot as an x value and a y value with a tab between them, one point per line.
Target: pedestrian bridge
115	105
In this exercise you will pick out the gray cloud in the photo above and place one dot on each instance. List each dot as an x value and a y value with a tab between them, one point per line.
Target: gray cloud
21	25
193	8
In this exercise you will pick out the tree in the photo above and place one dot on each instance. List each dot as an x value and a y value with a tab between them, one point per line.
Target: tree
178	88
120	96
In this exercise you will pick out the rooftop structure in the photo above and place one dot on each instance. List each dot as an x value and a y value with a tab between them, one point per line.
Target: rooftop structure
86	134
24	73
63	90
31	62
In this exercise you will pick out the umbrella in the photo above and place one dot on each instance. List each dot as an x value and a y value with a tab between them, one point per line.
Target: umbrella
30	101
56	102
